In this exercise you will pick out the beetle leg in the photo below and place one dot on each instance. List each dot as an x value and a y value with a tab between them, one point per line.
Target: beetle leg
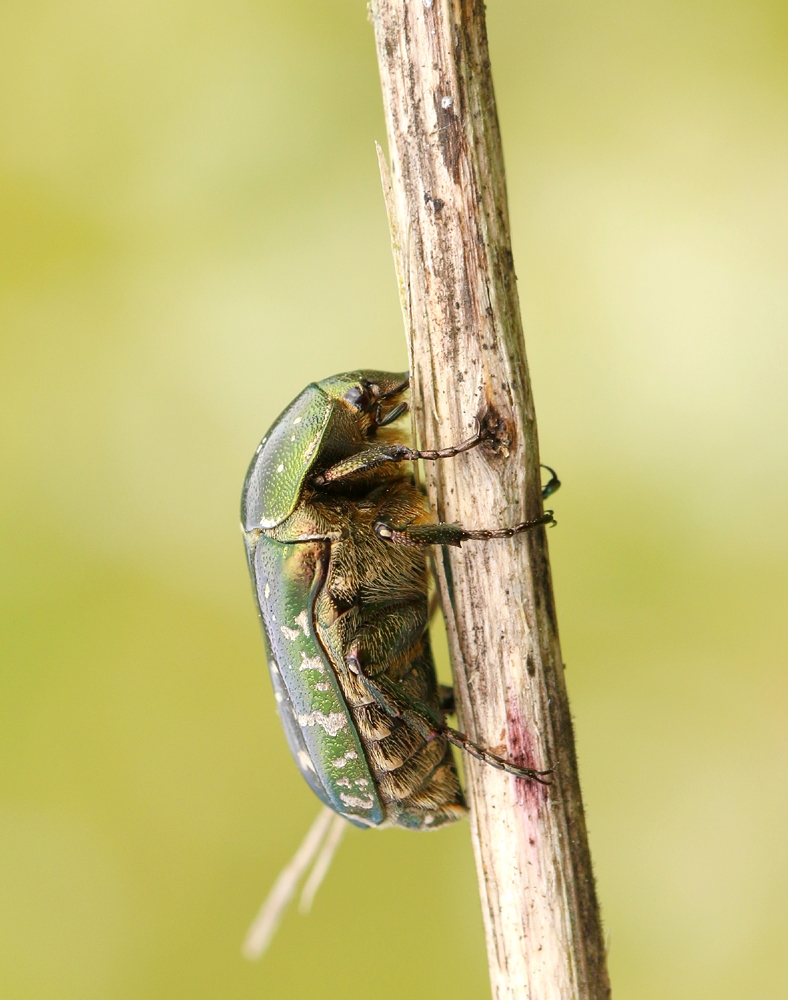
481	753
553	484
376	455
422	718
451	534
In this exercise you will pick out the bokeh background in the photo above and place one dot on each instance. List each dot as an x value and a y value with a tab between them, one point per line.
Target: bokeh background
192	229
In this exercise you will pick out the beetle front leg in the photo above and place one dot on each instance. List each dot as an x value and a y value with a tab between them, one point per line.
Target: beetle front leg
420	535
377	455
421	717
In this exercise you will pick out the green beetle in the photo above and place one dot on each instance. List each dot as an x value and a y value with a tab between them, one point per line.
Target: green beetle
337	533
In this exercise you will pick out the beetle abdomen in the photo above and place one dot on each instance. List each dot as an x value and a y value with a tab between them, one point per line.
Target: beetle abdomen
384	629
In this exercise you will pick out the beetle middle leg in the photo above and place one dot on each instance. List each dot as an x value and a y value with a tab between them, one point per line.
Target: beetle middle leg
420	535
396	703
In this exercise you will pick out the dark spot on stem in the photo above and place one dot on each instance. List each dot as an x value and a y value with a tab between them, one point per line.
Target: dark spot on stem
496	430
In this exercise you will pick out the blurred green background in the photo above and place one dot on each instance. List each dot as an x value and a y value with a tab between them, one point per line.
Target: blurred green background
192	229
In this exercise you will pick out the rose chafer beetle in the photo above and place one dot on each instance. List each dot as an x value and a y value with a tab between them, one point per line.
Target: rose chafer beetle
337	534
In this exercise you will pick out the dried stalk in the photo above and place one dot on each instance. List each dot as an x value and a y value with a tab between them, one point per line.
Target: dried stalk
447	203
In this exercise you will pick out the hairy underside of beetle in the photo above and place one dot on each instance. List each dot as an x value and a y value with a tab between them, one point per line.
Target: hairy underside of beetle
371	618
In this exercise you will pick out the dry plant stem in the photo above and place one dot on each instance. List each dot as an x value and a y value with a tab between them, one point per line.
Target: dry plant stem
446	198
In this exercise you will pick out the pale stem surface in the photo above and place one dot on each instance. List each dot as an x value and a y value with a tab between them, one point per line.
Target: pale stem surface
446	198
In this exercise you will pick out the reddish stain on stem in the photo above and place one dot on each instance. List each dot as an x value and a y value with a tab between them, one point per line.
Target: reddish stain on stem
522	750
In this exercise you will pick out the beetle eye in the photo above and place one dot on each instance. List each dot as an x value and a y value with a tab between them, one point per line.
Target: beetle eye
358	396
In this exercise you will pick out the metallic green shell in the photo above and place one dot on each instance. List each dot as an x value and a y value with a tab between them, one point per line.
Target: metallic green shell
283	460
317	722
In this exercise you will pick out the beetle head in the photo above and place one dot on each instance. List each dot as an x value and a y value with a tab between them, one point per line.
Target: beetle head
372	397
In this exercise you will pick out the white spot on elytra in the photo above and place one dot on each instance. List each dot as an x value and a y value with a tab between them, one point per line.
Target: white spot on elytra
355	800
429	820
322	687
311	663
446	102
280	467
304	761
303	622
333	723
341	761
361	782
290	633
311	449
343	782
297	420
267	591
292	437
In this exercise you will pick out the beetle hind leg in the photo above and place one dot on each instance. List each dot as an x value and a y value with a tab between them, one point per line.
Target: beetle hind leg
460	740
424	720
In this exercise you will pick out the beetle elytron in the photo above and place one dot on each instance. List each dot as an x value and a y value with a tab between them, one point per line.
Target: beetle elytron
337	534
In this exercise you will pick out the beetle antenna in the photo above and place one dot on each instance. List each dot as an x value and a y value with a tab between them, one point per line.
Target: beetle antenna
267	920
322	864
